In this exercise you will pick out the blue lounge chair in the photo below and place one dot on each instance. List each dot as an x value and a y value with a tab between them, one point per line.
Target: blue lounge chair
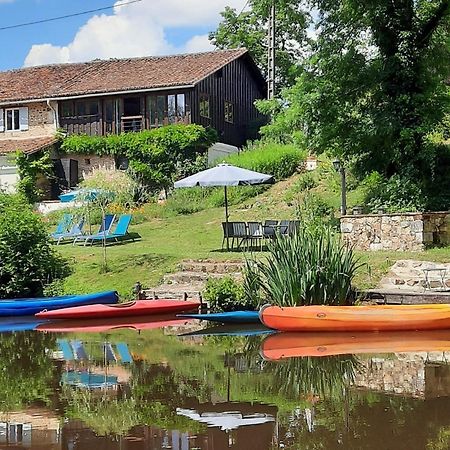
79	351
124	353
104	230
121	231
63	225
66	350
75	231
108	352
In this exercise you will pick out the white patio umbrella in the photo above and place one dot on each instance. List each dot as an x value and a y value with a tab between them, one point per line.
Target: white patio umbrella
225	175
227	420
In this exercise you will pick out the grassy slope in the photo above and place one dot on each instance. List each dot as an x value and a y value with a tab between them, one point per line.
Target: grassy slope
165	242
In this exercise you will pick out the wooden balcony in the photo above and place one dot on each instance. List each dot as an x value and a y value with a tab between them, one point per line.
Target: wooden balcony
132	124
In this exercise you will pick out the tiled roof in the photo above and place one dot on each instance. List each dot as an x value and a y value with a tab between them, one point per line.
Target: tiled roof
30	145
113	75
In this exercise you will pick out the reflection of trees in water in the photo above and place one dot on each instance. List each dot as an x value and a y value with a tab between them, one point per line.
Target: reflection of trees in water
339	416
27	371
327	376
153	394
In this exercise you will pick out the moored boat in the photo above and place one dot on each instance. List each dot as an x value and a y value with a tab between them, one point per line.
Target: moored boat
227	317
110	324
135	308
357	318
290	345
31	306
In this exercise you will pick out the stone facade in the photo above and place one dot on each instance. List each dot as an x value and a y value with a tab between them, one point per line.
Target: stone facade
87	163
41	122
404	232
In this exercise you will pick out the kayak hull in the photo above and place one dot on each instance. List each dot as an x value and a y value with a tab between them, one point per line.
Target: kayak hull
357	318
290	345
137	308
27	307
110	324
227	317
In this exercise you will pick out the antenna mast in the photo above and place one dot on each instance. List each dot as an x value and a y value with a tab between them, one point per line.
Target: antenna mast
271	54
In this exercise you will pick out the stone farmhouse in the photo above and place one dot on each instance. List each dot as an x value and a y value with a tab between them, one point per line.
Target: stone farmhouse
214	89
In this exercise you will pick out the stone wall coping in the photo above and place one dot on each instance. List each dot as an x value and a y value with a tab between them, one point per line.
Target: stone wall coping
405	214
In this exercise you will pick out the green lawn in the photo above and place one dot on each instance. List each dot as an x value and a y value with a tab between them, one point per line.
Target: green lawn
165	242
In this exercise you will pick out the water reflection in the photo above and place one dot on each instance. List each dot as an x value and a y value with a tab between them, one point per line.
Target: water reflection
123	389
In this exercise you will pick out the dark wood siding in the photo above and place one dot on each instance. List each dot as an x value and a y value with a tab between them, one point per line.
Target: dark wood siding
236	84
111	115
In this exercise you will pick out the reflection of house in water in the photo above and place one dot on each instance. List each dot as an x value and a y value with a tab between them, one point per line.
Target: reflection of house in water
34	429
421	375
230	425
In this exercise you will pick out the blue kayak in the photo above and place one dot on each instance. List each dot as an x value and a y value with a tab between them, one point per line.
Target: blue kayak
232	329
26	306
11	324
227	317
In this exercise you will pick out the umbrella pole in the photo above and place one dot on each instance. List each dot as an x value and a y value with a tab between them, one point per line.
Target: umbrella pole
226	218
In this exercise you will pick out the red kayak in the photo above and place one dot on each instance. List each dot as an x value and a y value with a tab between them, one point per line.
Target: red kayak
111	324
136	308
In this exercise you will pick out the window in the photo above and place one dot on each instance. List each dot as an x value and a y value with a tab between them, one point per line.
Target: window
86	108
171	108
87	161
181	105
12	119
167	108
67	109
229	113
204	106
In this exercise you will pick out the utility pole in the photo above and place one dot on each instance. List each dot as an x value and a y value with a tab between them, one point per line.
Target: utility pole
271	54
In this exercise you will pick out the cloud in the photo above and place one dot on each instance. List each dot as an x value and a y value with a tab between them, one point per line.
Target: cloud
135	30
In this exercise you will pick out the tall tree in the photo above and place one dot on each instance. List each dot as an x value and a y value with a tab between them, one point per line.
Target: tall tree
374	89
248	28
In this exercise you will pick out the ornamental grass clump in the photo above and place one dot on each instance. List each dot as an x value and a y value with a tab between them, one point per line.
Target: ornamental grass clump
312	267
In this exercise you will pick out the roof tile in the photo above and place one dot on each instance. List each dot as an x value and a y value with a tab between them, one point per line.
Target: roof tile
30	145
113	75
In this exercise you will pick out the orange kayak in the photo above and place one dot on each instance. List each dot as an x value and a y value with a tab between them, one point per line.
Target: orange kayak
290	345
137	308
357	318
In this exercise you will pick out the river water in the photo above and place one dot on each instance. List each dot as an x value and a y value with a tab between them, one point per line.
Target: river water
178	387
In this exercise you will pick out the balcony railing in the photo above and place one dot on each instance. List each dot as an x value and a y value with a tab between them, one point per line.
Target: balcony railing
132	124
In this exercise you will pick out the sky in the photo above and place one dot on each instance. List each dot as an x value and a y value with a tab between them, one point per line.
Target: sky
146	27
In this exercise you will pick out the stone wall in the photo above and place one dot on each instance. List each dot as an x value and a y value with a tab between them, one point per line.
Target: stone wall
40	122
404	232
422	374
86	163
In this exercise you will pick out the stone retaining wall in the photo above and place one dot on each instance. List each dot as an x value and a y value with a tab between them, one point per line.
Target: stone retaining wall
405	232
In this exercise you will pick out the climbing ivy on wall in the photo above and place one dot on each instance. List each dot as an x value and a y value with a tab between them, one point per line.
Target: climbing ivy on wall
155	155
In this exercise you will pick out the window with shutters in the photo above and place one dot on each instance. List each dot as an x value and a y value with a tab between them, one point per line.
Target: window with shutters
12	119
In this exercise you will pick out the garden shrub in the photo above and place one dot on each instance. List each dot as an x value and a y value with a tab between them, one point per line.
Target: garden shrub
27	260
396	194
188	201
226	294
279	160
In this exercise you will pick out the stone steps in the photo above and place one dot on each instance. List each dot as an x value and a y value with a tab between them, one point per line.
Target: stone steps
190	279
410	275
175	291
210	266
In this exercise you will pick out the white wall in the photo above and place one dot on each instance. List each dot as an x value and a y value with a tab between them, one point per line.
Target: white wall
8	175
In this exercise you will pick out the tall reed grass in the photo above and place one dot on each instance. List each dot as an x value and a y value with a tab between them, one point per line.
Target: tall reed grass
311	267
